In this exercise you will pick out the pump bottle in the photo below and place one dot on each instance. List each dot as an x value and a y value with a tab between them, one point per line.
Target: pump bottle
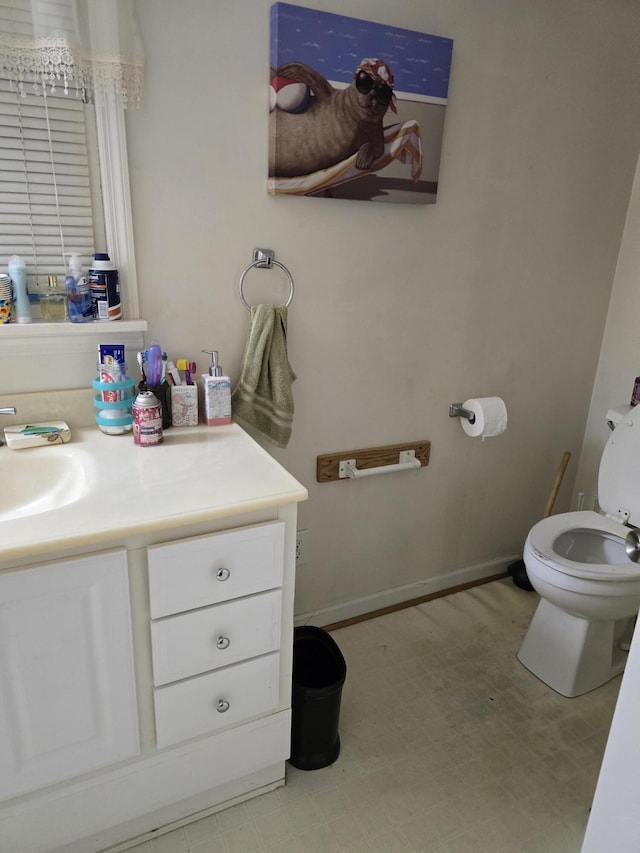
217	393
78	293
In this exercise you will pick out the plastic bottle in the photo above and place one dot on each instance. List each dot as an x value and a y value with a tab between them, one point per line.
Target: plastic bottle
217	393
105	288
18	273
78	293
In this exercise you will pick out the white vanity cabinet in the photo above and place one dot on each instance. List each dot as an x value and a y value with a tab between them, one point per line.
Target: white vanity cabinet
67	686
146	653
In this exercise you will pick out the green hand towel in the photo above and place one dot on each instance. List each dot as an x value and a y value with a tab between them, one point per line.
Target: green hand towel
263	397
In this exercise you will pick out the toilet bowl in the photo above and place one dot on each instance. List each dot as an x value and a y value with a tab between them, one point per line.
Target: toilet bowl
589	588
590	592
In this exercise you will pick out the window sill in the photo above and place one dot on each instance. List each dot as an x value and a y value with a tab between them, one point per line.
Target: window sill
66	331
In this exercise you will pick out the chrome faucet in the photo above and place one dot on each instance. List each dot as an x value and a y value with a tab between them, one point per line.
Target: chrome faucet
8	410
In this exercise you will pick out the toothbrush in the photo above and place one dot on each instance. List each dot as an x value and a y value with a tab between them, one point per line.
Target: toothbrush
154	365
189	367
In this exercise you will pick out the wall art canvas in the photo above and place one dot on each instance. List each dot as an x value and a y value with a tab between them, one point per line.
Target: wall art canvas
357	108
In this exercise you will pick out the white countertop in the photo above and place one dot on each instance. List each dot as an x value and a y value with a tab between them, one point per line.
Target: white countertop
197	474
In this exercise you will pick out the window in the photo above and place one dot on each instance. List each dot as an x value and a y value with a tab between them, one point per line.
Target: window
26	350
50	199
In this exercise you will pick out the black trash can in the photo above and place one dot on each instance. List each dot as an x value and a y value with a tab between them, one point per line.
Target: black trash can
319	671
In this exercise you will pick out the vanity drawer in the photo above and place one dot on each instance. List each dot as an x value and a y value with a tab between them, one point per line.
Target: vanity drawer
219	699
209	569
216	636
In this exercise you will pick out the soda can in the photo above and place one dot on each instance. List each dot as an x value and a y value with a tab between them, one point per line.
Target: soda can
147	419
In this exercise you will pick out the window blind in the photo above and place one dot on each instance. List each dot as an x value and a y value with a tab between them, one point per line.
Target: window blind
45	183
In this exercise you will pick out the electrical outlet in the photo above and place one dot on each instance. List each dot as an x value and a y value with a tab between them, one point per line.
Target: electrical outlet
302	544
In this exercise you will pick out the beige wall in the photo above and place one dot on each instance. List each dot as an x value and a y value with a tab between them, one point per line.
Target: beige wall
500	288
620	355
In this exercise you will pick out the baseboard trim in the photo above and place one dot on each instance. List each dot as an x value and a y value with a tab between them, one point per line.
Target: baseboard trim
392	608
399	598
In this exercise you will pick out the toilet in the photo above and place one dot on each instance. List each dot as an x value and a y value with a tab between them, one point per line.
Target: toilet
589	588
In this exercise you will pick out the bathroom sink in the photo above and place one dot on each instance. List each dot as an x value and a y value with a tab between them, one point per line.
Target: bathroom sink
40	480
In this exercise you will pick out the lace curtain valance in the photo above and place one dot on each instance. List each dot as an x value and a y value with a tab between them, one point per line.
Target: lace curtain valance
82	47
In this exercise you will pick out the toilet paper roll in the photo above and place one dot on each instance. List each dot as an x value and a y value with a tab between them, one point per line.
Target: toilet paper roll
490	417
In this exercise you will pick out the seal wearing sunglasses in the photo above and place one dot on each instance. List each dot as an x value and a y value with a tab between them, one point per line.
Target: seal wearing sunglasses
336	124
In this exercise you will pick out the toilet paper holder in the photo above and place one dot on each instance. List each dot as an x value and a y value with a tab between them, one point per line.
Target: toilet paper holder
457	410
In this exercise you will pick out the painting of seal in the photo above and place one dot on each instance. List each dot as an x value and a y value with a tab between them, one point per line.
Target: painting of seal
334	124
356	107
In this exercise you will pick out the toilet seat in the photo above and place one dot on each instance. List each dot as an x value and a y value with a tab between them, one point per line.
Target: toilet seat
544	535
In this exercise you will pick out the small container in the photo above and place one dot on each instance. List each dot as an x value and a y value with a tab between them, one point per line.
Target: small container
147	419
217	393
53	302
6	298
635	396
116	392
104	283
113	415
184	405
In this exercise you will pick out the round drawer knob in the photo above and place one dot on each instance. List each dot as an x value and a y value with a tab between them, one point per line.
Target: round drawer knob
222	706
223	574
223	643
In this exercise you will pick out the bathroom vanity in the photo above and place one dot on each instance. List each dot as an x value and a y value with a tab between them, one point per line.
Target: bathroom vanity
145	637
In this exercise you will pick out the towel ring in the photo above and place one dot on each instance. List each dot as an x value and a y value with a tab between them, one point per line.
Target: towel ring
262	263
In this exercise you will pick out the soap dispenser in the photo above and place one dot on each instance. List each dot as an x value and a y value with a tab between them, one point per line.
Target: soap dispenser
217	393
78	293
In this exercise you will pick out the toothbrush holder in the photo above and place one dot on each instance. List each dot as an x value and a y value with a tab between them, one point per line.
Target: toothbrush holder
163	393
114	417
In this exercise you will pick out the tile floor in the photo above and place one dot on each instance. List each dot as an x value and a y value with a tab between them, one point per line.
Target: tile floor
448	745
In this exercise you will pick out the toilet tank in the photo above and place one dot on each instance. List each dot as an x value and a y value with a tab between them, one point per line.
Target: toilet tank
619	473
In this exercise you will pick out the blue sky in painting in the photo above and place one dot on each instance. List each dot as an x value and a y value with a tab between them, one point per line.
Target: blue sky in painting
335	45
